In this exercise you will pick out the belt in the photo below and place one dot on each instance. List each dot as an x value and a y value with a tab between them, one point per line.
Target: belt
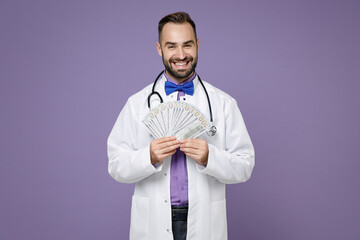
179	213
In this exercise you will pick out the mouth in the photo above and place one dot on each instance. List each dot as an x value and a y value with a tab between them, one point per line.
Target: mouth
181	64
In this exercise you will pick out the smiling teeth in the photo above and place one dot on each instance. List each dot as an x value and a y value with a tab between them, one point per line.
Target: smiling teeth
180	64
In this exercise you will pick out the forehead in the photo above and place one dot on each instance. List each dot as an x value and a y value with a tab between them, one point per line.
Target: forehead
178	33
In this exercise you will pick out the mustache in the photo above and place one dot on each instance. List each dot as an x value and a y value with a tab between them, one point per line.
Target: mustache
185	59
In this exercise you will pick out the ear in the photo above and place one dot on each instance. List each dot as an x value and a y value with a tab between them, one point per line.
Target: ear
158	47
197	43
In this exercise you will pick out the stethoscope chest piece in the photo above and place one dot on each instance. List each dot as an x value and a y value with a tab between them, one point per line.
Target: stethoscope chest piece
212	131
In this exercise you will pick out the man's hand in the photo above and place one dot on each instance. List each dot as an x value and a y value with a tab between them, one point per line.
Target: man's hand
197	149
163	147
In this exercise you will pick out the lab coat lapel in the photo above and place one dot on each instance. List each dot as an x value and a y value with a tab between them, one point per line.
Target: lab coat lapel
199	98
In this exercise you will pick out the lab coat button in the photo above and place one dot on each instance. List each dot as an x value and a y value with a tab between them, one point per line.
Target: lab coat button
168	230
165	201
165	174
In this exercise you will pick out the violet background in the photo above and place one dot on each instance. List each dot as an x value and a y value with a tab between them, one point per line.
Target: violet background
67	68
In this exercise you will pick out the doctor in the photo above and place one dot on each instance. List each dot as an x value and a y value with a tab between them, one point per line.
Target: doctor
180	186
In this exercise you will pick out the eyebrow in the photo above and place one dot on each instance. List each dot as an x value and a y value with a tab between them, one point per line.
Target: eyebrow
174	43
190	41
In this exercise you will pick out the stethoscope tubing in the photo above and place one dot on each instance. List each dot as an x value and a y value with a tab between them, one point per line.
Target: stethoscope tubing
212	130
161	99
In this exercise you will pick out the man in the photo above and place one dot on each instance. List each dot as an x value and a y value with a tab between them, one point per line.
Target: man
180	185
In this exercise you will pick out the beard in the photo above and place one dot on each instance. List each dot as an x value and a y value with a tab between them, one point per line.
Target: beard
182	73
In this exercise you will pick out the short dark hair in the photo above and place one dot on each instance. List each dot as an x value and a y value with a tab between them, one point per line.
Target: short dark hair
178	18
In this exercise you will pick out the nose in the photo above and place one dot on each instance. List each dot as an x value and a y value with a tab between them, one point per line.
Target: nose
181	53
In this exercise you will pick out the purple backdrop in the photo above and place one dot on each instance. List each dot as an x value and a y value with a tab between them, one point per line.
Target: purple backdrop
67	68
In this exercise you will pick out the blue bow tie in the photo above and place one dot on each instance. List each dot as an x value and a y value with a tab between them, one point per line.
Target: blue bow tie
187	88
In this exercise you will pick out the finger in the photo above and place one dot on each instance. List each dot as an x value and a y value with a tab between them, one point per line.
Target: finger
195	145
193	141
188	140
168	149
188	150
168	154
193	156
199	159
165	139
190	145
169	144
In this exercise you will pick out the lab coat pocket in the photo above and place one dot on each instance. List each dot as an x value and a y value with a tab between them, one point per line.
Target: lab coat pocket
139	227
218	220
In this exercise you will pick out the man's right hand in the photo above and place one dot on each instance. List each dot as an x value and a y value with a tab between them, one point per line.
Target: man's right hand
163	147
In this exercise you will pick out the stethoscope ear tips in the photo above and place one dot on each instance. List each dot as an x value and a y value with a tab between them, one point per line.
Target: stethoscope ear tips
212	131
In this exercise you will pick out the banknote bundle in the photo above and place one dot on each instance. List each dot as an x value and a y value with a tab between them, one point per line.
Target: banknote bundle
178	119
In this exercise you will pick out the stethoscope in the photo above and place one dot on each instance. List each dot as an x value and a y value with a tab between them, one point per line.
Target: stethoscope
212	130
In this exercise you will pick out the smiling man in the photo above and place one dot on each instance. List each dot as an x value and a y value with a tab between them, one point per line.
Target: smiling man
180	185
178	47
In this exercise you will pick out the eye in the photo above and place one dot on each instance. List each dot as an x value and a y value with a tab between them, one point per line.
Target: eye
171	47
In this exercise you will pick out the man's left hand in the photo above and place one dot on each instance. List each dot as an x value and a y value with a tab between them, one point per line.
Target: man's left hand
197	149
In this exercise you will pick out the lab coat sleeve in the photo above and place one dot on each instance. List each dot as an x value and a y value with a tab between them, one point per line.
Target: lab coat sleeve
127	163
235	163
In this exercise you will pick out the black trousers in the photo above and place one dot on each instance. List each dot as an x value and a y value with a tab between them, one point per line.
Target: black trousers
179	222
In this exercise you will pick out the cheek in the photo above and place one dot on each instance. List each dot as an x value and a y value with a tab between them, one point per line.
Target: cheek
166	56
192	53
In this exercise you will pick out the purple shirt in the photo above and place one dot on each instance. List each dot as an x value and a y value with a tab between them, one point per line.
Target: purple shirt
178	171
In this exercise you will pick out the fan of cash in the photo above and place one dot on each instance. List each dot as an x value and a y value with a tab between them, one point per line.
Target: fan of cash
178	119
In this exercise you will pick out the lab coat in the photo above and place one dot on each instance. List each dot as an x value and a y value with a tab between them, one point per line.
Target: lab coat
230	160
